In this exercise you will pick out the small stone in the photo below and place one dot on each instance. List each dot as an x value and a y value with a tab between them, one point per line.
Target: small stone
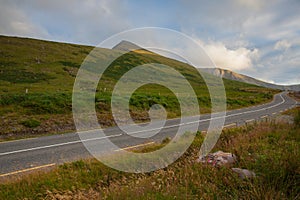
244	173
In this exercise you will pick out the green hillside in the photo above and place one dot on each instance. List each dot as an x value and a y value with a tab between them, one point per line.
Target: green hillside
36	82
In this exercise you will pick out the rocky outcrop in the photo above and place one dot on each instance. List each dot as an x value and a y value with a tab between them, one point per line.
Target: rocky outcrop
227	74
221	158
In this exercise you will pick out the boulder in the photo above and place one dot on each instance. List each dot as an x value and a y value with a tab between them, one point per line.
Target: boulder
218	158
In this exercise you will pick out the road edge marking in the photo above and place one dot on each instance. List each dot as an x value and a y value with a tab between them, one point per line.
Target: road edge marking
131	147
230	125
27	169
249	120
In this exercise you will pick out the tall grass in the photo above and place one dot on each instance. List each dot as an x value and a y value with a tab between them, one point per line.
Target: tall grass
297	119
269	149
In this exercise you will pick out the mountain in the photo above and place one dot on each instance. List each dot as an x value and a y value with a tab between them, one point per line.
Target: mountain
129	46
223	73
227	74
37	79
126	46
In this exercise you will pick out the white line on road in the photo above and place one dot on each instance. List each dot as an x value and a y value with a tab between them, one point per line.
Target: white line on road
56	145
203	120
170	126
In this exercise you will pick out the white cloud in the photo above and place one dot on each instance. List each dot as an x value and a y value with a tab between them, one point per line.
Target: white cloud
87	22
249	33
233	59
282	45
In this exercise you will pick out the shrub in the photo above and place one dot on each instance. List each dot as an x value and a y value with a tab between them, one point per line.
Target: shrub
40	103
166	140
297	119
31	123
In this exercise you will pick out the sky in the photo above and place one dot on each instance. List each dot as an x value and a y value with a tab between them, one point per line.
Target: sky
258	38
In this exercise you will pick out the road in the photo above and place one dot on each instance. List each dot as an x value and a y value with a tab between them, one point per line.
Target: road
35	153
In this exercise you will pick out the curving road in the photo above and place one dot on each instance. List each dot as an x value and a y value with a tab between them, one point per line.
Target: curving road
35	153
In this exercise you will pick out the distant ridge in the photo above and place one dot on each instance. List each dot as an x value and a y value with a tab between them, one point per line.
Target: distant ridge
227	74
223	73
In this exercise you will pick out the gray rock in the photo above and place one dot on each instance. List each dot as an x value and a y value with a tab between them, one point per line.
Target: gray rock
244	173
218	158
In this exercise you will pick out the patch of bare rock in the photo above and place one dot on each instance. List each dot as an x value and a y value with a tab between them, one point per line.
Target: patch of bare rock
227	159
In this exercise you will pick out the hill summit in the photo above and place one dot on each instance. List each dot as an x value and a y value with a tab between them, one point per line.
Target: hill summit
126	46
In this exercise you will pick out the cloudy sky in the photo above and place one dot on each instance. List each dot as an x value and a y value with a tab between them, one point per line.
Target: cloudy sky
260	38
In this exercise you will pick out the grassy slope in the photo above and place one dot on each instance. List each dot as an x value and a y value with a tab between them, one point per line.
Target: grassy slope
270	149
48	69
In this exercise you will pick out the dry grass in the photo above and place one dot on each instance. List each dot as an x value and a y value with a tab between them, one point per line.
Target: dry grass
295	95
270	149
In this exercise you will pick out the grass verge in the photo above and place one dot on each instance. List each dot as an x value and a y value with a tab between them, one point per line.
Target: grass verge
270	149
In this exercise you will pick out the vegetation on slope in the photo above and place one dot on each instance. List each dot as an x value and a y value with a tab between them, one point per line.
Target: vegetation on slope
36	81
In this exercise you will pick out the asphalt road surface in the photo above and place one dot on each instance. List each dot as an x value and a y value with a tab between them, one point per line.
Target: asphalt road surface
26	155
